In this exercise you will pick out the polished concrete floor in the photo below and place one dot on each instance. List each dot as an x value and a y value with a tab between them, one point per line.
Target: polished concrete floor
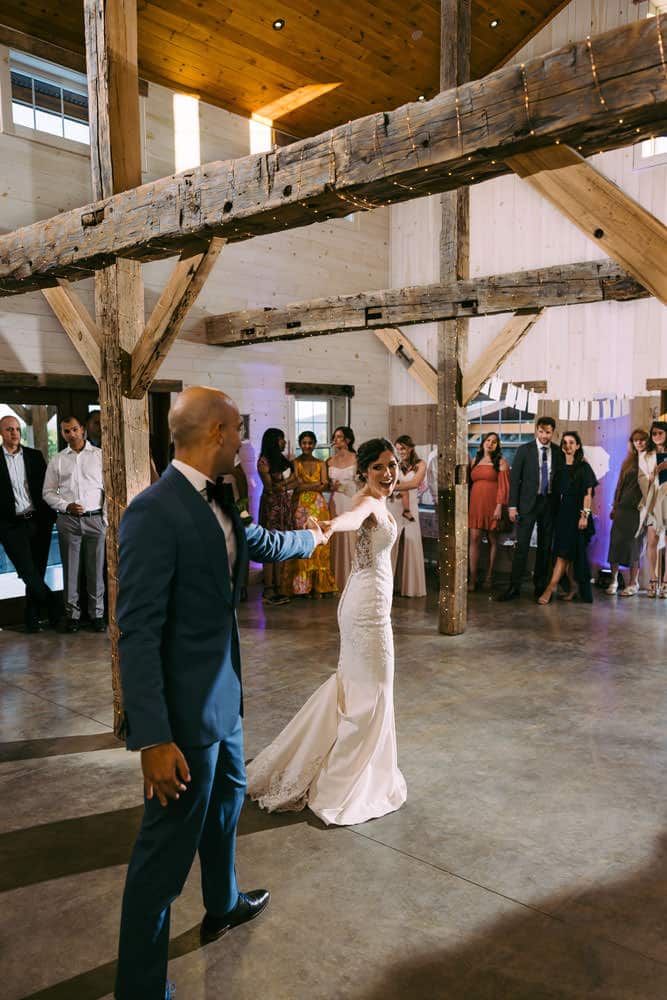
528	863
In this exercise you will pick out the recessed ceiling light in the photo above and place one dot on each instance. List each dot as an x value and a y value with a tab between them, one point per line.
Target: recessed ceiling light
422	97
279	24
494	22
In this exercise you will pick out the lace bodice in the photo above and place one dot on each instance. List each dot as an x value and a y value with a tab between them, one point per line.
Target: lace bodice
373	545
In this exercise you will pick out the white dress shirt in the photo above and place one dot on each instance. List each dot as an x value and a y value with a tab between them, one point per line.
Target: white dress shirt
540	446
198	480
75	477
19	481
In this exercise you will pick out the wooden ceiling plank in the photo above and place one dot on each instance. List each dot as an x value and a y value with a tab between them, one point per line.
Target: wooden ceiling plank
612	219
380	158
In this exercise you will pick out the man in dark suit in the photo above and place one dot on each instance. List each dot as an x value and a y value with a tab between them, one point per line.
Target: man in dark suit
533	501
26	521
183	557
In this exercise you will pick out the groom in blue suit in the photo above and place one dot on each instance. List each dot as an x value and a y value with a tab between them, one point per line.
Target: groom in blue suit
183	555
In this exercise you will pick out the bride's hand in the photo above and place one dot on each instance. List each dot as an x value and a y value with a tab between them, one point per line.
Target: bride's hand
323	526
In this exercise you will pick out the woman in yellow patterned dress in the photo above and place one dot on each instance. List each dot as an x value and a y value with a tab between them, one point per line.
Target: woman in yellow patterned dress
309	576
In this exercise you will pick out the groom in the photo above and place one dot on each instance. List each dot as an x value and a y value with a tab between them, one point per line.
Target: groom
183	556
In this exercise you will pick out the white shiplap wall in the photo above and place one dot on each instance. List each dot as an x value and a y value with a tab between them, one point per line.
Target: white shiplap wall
37	181
582	351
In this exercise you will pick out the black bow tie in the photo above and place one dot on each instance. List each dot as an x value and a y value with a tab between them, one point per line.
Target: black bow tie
222	493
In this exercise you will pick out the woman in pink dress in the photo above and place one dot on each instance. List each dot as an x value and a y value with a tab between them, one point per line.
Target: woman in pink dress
490	479
343	486
408	552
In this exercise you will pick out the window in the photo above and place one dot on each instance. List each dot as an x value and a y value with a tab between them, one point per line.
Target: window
48	98
261	136
320	409
314	415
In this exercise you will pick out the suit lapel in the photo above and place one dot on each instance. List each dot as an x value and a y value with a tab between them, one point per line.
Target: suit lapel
206	523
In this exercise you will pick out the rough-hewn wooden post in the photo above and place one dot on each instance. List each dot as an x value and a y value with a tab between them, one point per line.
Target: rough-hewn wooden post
452	349
115	151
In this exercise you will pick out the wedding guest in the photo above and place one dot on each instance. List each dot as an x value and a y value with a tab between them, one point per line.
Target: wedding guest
574	485
94	429
275	509
489	493
533	501
311	575
408	550
342	470
73	487
26	521
625	541
652	468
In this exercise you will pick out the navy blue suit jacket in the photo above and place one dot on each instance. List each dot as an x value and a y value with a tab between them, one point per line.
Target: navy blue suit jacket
179	644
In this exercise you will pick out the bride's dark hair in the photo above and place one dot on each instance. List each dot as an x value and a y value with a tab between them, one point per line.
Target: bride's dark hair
369	452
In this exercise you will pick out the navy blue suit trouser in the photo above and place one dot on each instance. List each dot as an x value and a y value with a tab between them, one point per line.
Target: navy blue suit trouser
204	820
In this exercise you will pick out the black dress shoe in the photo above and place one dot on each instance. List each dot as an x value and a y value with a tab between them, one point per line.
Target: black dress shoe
33	627
510	594
72	625
99	625
249	906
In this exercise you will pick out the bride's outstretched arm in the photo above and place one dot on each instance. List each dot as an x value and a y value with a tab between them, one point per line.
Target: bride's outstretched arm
352	520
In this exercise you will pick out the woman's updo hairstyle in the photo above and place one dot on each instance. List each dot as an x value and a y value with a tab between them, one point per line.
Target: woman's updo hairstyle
369	452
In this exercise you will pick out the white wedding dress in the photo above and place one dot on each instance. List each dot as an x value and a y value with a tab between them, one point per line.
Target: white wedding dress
338	754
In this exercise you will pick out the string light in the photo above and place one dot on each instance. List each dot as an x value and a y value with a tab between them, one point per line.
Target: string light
661	46
594	71
526	102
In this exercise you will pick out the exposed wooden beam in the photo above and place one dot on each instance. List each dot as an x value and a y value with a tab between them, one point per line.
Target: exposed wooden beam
463	136
113	101
184	285
570	284
656	384
77	323
452	424
417	366
612	219
500	348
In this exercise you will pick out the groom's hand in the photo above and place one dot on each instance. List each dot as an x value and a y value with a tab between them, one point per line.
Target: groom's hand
165	769
319	530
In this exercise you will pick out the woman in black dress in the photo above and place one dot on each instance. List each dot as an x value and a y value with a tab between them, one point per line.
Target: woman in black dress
574	484
624	545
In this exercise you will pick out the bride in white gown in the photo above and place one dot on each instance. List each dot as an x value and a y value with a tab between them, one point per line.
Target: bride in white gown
338	754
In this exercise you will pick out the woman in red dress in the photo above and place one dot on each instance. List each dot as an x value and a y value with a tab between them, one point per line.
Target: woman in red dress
490	487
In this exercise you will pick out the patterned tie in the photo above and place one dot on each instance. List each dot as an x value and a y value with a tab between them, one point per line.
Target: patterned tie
544	476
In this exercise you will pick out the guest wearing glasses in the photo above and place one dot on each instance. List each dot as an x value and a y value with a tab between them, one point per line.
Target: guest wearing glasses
26	521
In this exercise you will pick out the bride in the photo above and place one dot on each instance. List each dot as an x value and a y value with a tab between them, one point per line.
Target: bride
338	754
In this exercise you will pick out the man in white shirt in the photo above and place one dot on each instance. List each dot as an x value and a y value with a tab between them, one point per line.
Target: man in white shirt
26	521
73	487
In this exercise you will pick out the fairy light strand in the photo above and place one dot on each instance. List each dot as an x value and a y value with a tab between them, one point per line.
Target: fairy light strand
594	71
661	46
526	99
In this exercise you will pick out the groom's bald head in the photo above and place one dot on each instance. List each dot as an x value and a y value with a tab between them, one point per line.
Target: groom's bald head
205	421
196	412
